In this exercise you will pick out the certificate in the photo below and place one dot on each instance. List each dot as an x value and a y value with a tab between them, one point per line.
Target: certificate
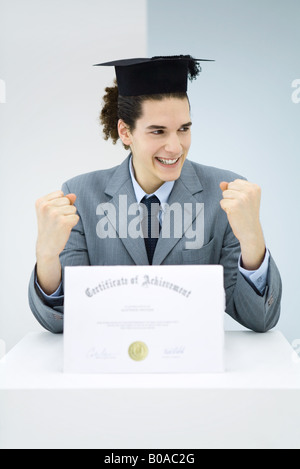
144	319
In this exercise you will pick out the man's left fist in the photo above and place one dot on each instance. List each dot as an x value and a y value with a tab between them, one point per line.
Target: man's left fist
241	202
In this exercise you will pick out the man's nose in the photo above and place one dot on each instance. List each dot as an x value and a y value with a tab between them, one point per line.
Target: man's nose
173	145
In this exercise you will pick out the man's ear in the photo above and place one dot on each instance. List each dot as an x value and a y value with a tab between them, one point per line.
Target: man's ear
124	133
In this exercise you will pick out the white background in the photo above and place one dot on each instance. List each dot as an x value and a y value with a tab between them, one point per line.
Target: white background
49	127
242	111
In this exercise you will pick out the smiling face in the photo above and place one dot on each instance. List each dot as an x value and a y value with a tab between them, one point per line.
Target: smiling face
160	141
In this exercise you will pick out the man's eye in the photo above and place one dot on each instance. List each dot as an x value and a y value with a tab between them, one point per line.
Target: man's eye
158	132
184	129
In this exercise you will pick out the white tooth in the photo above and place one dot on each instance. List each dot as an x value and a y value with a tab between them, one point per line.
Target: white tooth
167	162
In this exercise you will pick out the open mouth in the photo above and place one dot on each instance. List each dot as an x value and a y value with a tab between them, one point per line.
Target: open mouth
168	162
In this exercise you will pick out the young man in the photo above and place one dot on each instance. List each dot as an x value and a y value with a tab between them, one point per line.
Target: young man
149	111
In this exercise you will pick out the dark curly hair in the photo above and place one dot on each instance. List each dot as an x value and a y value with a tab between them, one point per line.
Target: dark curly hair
128	108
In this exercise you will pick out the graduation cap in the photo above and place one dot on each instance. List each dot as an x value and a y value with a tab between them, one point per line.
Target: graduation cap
157	75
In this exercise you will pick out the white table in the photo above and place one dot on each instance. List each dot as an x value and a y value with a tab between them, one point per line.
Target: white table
255	404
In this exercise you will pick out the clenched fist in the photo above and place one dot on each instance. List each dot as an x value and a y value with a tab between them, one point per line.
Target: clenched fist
56	216
241	202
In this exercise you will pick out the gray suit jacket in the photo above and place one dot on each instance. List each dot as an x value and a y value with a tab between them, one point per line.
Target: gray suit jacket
197	184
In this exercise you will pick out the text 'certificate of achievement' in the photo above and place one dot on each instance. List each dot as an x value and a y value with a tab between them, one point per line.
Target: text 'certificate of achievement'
144	319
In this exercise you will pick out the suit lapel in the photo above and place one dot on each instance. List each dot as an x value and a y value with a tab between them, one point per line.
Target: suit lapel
183	193
121	190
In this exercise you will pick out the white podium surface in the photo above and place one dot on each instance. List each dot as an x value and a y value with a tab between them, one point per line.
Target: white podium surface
254	404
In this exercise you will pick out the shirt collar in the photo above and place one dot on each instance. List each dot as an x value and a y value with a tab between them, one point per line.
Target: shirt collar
163	193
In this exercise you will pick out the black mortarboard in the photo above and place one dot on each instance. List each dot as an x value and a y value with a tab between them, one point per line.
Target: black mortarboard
158	75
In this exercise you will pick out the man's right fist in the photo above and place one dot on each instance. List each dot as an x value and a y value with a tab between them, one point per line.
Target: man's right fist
56	215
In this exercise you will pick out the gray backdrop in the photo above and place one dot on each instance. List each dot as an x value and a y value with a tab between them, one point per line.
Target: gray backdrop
244	118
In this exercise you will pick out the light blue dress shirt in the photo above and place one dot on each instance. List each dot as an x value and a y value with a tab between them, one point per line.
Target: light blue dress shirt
256	278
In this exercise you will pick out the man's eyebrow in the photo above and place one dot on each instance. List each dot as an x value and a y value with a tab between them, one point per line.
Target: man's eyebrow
161	127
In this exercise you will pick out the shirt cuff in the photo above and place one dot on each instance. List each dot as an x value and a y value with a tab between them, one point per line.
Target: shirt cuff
258	278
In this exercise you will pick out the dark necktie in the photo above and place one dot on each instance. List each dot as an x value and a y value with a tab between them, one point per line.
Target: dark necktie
152	228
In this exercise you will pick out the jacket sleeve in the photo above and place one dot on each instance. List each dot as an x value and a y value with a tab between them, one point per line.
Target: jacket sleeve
50	317
244	303
75	253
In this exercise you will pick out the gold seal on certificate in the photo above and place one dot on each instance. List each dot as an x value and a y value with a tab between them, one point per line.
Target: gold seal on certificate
138	351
